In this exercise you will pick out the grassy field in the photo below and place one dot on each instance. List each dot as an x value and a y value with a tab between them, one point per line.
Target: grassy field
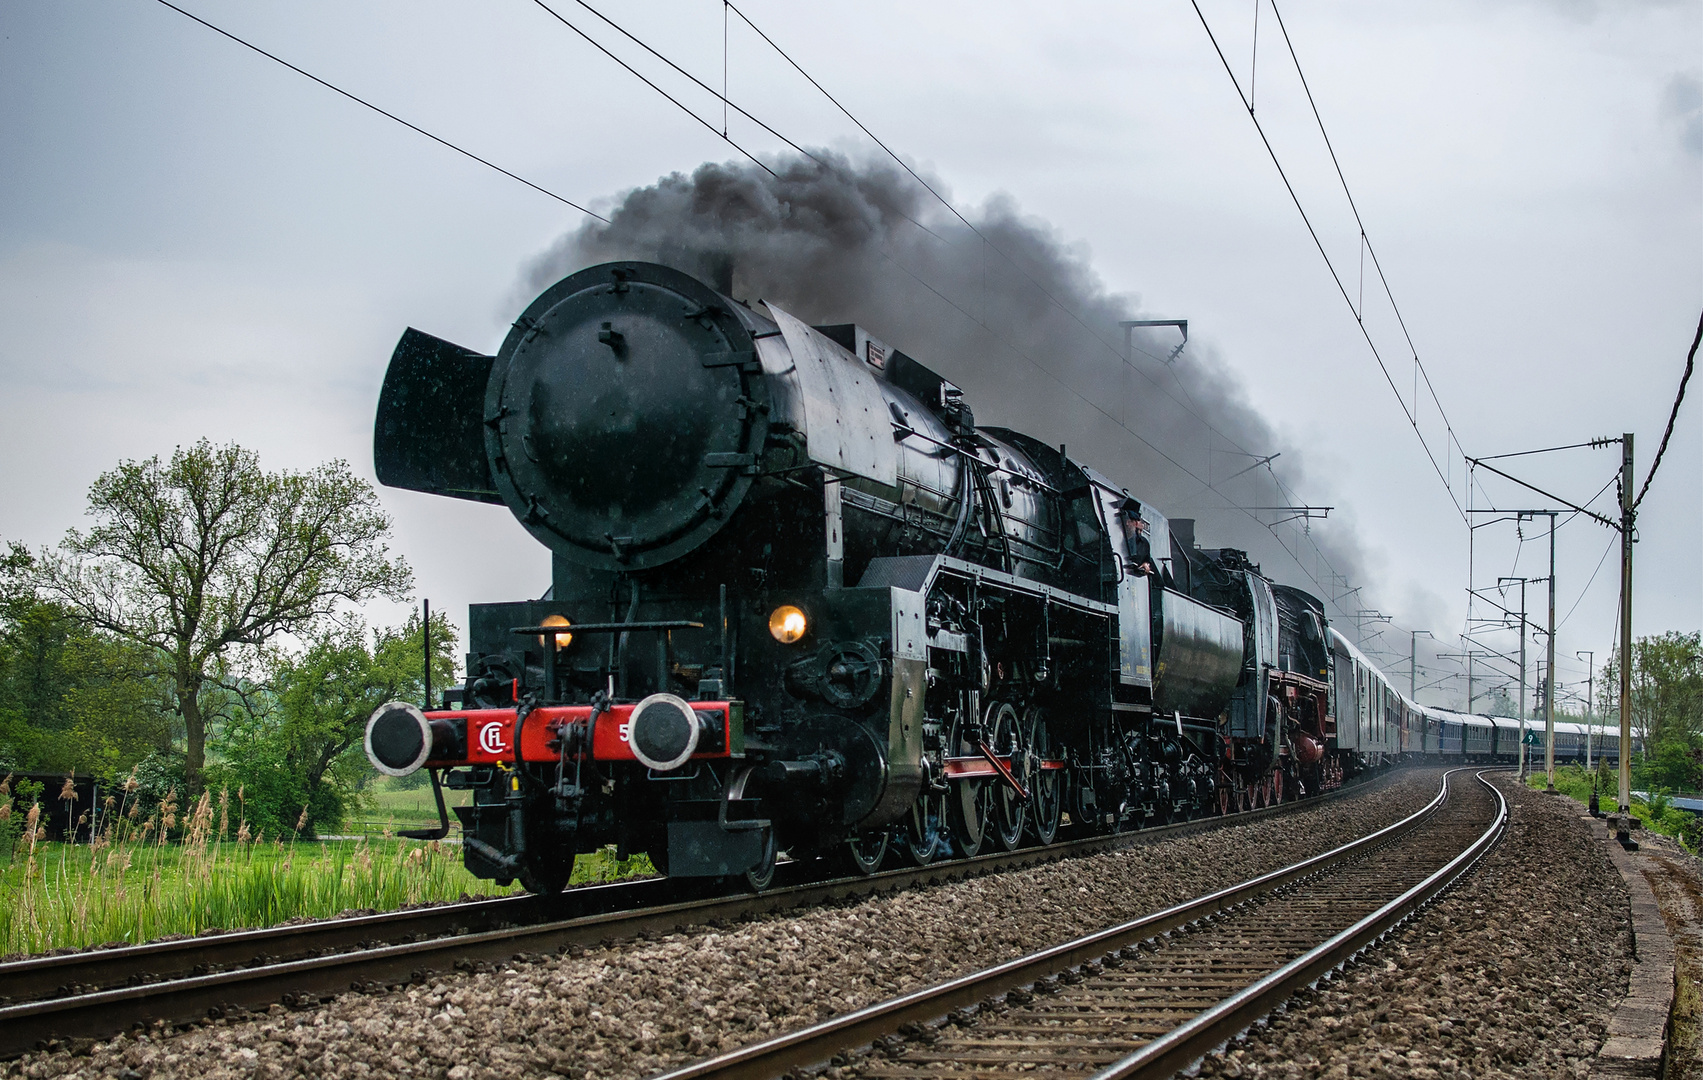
79	895
406	808
1657	814
130	886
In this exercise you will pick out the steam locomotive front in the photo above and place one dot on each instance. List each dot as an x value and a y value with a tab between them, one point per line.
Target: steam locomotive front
696	662
621	422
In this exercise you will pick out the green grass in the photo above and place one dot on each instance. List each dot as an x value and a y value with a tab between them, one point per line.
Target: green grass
1656	813
407	807
75	895
130	886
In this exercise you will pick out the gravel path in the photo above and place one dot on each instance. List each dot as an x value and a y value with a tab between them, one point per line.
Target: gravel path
1515	973
634	1008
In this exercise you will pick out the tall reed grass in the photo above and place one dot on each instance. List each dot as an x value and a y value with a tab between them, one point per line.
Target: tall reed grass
147	875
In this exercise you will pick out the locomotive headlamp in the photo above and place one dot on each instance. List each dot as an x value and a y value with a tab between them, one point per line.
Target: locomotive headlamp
787	624
562	640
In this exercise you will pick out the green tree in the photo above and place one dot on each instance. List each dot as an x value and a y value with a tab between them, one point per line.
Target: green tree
1496	702
1673	767
205	558
17	570
298	741
1667	691
70	698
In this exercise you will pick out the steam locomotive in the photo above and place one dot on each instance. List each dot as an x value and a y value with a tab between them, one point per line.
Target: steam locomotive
801	602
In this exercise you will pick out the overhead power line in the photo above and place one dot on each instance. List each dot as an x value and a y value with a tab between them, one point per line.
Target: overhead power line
1356	309
637	75
1690	362
388	115
989	243
1188	407
979	234
721	96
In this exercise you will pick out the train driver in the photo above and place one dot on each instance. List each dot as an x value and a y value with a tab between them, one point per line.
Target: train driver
1136	545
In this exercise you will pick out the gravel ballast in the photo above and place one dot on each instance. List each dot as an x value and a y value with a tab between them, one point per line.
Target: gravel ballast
1514	973
631	1009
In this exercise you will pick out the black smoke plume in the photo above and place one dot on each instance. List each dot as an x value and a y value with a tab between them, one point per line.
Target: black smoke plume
1016	316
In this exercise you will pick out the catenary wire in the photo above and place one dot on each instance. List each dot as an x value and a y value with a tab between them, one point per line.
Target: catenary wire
824	92
1412	418
1365	239
1294	556
988	241
1612	541
1188	406
389	115
721	96
599	46
1690	362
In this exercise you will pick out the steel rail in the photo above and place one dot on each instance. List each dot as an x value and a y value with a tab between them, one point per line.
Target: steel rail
37	977
254	977
1194	1039
821	1042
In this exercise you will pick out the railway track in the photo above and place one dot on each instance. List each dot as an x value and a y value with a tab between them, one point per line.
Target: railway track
1148	997
102	992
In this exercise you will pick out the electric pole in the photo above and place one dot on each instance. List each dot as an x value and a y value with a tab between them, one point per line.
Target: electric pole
1590	722
1628	534
1549	672
1413	662
1522	581
1627	515
1469	680
1590	659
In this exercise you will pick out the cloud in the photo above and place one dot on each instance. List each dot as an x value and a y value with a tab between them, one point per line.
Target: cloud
1682	106
1587	10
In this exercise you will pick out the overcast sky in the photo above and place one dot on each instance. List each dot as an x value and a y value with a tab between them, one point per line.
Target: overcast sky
197	242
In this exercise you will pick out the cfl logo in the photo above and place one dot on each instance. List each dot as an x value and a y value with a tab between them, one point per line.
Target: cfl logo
491	738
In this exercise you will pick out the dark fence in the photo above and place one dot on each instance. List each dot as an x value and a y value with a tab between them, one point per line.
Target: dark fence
60	816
